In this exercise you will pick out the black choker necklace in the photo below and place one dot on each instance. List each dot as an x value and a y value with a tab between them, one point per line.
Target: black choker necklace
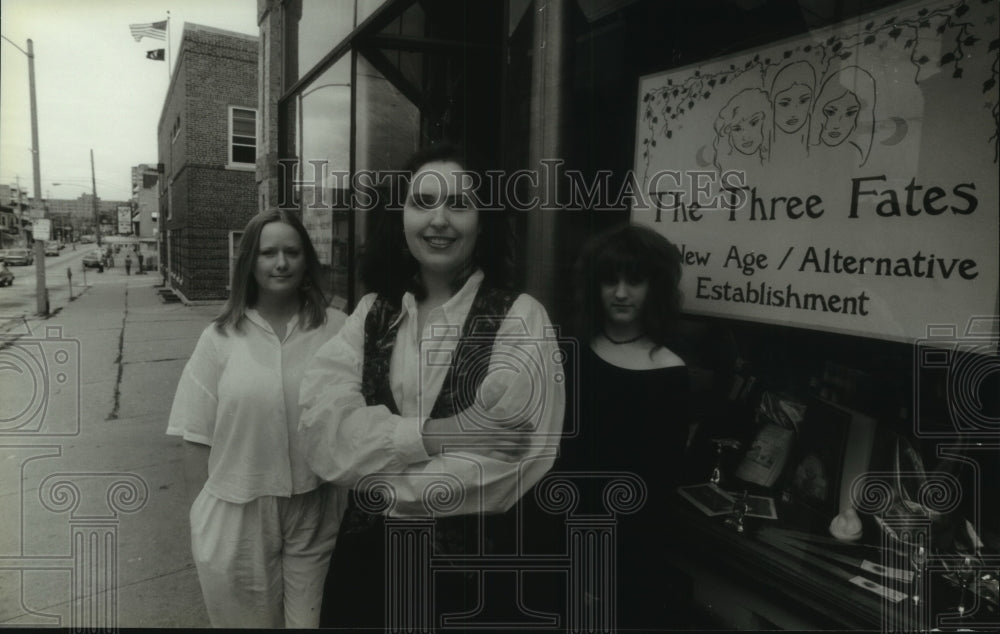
618	342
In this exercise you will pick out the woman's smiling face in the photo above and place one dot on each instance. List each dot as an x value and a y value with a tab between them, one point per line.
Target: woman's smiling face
440	223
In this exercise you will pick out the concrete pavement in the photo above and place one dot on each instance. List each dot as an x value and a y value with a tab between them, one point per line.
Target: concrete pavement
94	522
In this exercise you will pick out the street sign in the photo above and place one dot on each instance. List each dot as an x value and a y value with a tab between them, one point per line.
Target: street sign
42	229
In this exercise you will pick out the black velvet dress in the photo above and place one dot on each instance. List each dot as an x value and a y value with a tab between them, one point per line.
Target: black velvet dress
633	421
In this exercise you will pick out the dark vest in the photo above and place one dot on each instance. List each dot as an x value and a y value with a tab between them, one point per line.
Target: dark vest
489	307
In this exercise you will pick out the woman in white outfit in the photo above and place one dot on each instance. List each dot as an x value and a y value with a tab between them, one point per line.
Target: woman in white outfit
443	376
263	526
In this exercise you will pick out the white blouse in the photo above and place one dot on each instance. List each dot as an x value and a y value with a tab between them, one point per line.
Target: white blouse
345	439
239	395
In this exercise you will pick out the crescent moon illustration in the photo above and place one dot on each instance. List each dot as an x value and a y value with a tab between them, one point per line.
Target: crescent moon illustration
700	157
899	133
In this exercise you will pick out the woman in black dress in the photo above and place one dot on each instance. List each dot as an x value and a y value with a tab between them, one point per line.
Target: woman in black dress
633	393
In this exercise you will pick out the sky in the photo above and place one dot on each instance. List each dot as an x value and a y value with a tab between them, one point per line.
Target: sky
94	87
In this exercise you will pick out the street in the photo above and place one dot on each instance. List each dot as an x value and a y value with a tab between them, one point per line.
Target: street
18	300
95	523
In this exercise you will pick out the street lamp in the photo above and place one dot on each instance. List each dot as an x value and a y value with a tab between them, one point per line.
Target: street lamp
41	293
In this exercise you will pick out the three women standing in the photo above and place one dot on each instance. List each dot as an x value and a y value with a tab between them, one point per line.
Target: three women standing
443	375
263	526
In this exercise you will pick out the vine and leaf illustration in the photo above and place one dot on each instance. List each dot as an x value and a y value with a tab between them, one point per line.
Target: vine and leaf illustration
947	27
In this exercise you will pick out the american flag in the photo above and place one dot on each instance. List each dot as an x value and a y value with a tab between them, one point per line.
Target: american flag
155	30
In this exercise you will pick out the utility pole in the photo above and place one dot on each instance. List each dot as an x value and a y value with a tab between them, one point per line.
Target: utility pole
41	293
93	192
20	216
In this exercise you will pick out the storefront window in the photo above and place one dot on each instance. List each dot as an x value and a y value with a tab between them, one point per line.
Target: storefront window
387	122
366	8
312	29
317	136
387	133
410	90
324	123
412	23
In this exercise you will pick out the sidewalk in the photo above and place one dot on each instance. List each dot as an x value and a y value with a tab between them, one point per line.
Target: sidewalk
93	491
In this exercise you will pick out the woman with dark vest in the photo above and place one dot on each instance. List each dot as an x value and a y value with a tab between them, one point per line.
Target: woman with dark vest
443	378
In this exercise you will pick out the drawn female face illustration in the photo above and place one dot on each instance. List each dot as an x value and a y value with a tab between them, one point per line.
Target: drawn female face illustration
840	116
747	134
791	107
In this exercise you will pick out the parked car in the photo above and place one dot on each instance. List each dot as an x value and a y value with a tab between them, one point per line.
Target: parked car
51	248
94	259
6	277
22	257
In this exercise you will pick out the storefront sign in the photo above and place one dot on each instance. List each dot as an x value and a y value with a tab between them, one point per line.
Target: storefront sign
124	220
845	180
41	229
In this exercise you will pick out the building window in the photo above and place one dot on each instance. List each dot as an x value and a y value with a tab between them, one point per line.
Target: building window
242	136
176	130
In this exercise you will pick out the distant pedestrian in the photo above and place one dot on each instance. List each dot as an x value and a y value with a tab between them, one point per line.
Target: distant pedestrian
263	526
139	258
128	264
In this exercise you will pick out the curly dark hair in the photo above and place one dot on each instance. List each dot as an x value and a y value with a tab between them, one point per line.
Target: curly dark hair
635	253
243	293
387	266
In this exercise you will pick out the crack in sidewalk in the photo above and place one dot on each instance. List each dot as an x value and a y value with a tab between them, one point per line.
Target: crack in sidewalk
114	590
118	361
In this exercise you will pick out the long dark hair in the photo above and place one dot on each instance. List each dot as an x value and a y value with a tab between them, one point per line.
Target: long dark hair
243	293
389	269
632	252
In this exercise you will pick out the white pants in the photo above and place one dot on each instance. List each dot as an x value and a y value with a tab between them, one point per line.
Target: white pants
263	563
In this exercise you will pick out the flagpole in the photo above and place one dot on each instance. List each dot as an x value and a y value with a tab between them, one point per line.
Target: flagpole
168	47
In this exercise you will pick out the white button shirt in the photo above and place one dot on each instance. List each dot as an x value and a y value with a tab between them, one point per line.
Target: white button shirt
345	439
239	395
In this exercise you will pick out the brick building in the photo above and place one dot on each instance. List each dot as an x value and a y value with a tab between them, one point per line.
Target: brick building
207	138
